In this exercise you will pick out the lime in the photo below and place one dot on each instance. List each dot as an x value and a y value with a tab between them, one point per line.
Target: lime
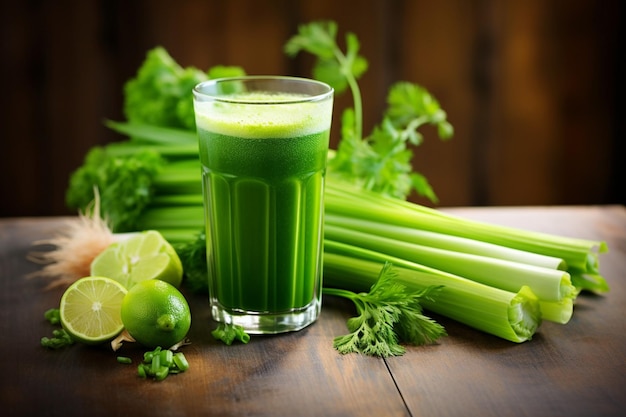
90	309
156	314
141	257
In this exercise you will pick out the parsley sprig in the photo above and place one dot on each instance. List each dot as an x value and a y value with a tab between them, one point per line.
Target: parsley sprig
388	315
381	161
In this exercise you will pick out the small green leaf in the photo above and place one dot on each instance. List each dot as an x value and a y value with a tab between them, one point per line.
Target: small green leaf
423	188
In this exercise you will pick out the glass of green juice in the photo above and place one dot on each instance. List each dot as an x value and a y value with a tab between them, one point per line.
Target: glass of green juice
263	147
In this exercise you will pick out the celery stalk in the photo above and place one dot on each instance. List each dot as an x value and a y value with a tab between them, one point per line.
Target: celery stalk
511	316
177	200
179	235
579	254
174	217
128	148
158	135
547	284
557	311
443	241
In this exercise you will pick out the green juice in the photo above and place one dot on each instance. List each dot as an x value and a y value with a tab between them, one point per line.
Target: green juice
263	178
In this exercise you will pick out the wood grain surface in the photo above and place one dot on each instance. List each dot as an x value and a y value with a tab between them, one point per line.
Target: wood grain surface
578	369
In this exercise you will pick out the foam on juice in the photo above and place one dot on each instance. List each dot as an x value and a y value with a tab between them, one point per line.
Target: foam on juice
262	116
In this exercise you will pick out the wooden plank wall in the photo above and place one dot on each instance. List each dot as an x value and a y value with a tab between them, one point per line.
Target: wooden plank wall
532	87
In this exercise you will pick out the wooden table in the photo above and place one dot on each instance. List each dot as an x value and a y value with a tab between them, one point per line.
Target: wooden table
578	369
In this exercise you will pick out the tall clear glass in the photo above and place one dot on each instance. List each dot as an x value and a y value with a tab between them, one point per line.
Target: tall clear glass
263	147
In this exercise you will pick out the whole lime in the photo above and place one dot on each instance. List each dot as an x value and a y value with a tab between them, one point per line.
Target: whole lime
155	314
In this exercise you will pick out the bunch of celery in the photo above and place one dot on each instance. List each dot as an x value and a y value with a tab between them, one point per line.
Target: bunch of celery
496	279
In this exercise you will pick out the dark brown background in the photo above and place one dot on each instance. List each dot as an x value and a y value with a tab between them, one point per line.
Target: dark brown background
533	87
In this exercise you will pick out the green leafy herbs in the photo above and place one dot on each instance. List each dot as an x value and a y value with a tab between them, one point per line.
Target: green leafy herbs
508	315
159	157
160	94
388	315
381	161
124	183
228	333
193	257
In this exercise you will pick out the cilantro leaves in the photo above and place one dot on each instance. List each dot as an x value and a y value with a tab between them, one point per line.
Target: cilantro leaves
388	314
381	161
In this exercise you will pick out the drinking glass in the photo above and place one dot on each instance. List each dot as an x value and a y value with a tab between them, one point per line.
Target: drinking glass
263	144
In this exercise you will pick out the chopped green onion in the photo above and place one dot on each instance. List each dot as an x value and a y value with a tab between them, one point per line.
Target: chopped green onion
162	373
155	365
159	363
166	357
181	362
142	371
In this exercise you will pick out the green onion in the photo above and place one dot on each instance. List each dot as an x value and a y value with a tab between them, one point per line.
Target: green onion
167	357
142	371
155	365
161	373
181	362
159	363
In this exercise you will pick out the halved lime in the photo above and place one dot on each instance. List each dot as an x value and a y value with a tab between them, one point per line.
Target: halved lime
90	309
144	256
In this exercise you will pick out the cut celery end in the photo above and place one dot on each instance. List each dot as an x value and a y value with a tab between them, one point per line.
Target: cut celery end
590	282
524	314
558	312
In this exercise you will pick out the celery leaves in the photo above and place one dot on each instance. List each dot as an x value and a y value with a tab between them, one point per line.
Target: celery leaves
379	162
124	183
160	93
157	94
160	124
332	67
388	314
192	254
